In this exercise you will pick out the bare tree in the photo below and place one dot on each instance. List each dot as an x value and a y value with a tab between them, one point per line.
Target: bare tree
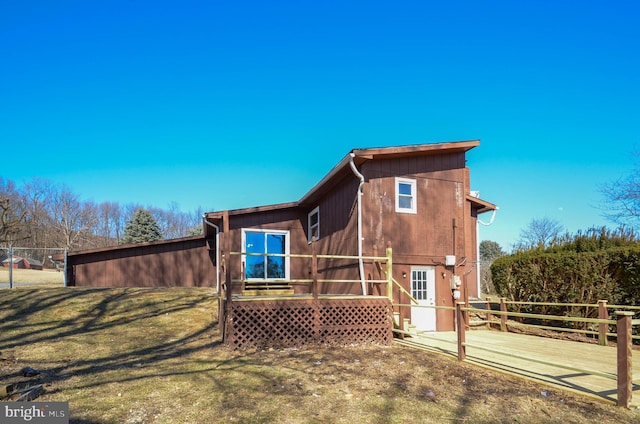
110	226
12	213
37	194
43	214
71	218
175	223
539	233
622	200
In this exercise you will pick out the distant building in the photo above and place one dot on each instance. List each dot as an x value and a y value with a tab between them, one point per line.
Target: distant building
22	263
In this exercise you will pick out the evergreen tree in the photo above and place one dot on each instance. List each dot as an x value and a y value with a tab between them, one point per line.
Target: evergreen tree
141	228
489	250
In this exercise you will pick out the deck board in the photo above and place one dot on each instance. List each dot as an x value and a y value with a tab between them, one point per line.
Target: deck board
572	354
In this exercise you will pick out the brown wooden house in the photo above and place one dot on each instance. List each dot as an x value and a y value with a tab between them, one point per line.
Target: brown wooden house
415	199
386	226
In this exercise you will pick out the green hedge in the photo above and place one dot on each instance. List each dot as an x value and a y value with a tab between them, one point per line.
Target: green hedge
570	277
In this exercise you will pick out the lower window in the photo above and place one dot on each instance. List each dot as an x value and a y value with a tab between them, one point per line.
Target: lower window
263	243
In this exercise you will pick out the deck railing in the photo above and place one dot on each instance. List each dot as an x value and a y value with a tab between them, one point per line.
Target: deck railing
385	261
586	324
624	323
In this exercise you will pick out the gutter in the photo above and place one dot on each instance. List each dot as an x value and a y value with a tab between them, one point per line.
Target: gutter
204	220
360	261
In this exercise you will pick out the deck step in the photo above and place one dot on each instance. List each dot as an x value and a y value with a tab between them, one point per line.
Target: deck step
396	319
269	287
269	292
261	288
410	328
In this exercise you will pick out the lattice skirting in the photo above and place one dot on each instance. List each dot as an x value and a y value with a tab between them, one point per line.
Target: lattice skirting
292	323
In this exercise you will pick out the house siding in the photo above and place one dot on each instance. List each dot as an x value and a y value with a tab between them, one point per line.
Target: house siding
425	238
339	236
290	219
179	263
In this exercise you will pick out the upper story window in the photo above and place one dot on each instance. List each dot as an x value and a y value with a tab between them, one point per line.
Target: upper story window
406	200
263	243
313	220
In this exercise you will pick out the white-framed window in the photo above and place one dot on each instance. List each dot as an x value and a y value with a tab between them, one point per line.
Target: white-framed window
313	221
264	242
406	195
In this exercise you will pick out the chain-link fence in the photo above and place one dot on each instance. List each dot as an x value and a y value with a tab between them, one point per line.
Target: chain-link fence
27	266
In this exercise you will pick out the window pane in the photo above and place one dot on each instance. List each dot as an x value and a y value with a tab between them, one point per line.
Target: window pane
275	243
254	243
313	219
405	202
275	265
404	188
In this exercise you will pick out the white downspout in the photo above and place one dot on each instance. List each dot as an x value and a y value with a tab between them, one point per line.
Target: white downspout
493	215
204	219
478	274
360	261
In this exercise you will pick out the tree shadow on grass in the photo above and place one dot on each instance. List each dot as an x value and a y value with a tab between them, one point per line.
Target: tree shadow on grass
37	318
21	324
156	339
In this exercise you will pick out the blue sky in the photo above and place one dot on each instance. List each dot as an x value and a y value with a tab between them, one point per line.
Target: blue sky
233	104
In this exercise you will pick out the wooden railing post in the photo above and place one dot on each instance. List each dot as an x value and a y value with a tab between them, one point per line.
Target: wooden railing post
489	314
603	328
389	274
314	269
623	330
227	279
461	330
503	317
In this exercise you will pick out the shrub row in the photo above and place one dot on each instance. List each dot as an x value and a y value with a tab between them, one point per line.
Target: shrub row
566	276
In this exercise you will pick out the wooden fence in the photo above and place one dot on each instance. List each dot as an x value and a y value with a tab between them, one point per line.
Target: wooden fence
604	312
623	323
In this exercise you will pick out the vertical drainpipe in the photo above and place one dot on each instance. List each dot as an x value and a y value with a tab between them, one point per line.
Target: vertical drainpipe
360	262
478	288
204	219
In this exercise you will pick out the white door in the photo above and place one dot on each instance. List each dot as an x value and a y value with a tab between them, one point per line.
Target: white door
423	289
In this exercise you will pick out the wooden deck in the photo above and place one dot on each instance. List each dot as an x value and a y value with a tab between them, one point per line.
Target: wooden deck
572	359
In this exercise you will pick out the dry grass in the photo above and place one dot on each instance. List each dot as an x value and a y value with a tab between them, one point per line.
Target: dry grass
45	277
154	356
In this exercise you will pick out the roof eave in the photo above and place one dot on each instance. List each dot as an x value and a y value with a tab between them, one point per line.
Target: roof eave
482	206
60	256
255	209
362	155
